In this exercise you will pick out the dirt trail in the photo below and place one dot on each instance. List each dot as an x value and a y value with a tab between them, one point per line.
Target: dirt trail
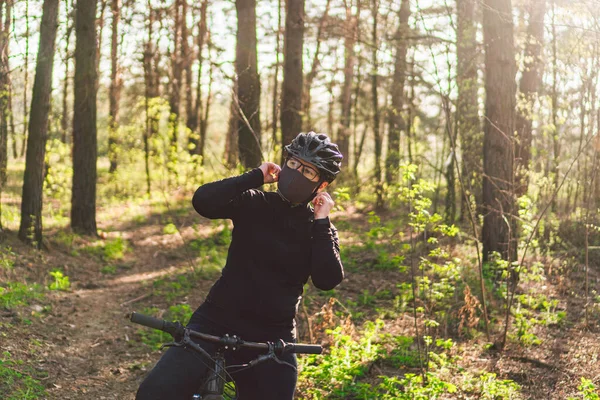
94	353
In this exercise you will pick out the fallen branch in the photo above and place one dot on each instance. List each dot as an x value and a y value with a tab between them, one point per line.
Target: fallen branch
142	297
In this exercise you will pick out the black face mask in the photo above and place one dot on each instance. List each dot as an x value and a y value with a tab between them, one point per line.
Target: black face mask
295	187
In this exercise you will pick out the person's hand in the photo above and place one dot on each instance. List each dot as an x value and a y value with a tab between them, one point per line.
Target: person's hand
270	172
323	204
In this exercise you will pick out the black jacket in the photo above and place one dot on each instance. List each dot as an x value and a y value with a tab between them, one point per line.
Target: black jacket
274	249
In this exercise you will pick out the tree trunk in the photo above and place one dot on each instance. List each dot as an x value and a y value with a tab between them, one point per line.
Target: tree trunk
376	111
114	92
99	36
351	30
330	89
4	90
275	104
291	88
531	80
314	69
247	99
358	143
449	173
176	76
411	110
231	140
151	92
33	180
64	118
83	200
195	114
25	82
498	155
467	114
396	121
554	133
11	116
204	117
186	66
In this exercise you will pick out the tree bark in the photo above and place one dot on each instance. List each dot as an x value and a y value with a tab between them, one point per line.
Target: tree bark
498	155
376	111
330	90
396	121
151	92
83	200
247	99
64	118
100	28
114	91
467	114
275	104
231	141
531	80
291	88
195	114
314	70
4	89
11	116
7	123
186	66
358	143
26	82
31	202
176	77
554	98
351	30
204	117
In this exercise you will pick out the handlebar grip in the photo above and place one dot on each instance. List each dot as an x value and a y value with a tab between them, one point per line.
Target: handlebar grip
148	321
307	348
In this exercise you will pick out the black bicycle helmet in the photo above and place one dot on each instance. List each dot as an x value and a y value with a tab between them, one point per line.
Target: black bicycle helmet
317	149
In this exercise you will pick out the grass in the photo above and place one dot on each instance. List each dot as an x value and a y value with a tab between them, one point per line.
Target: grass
107	250
19	381
155	338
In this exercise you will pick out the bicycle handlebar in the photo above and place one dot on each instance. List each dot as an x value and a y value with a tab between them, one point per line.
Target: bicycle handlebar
306	348
175	329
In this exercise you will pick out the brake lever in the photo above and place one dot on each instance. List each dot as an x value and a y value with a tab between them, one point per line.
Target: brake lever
278	361
262	358
171	344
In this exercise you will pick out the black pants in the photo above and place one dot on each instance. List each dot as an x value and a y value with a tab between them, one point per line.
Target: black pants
180	372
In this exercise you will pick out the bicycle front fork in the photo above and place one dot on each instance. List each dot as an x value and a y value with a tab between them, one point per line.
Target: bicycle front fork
216	384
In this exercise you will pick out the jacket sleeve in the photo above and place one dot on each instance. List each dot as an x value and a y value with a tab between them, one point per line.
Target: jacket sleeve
327	270
225	198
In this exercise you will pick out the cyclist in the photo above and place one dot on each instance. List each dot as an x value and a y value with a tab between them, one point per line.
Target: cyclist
279	240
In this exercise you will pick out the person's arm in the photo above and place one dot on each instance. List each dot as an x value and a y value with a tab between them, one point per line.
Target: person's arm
327	270
222	199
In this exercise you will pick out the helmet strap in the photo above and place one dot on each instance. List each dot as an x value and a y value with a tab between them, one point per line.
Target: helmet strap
314	193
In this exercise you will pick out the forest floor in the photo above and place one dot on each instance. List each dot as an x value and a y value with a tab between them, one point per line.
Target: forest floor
79	344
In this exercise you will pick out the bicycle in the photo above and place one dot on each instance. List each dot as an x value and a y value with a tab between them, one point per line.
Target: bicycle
217	385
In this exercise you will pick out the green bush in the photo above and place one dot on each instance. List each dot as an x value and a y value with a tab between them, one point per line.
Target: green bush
334	375
587	391
61	281
7	258
15	294
170	229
